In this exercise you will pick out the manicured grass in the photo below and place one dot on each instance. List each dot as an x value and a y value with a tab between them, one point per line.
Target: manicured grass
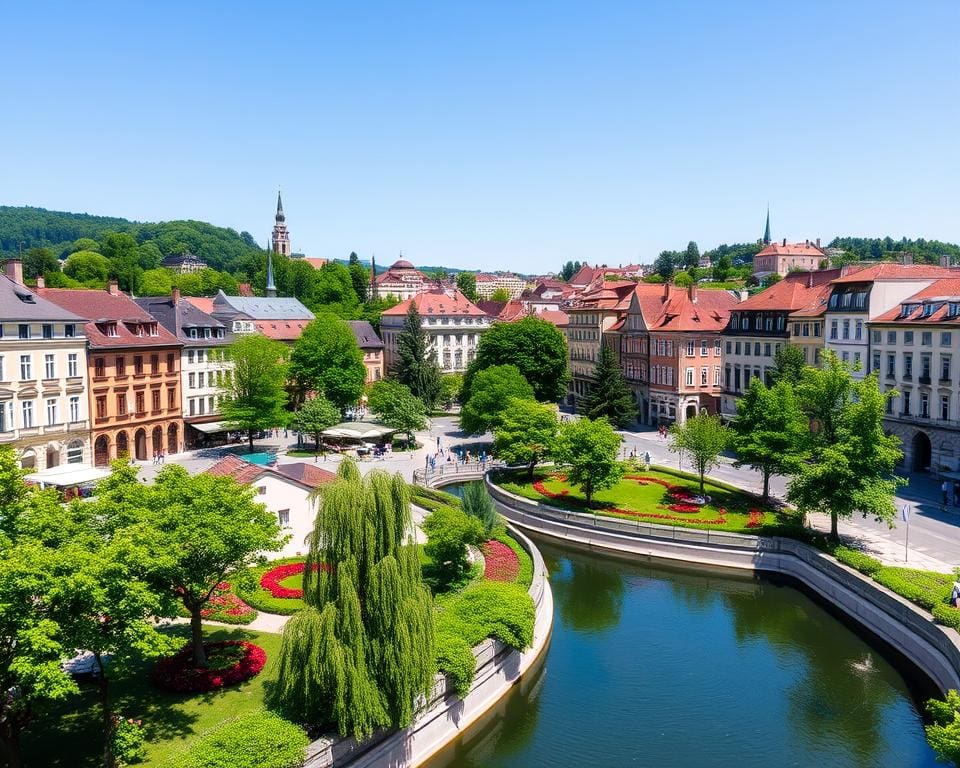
70	736
638	500
249	589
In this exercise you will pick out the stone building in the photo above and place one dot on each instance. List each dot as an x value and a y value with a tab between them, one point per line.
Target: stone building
372	348
401	280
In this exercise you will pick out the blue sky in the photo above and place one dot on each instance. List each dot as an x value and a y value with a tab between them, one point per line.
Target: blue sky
513	135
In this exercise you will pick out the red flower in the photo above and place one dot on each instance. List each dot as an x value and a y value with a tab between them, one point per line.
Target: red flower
270	581
756	518
224	603
684	507
539	488
500	562
177	673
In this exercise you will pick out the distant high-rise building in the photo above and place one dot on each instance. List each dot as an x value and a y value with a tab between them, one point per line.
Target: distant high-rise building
281	238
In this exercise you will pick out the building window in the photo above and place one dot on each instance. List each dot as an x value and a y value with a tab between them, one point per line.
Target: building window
171	397
858	330
875	336
139	401
703	347
200	378
154	363
856	360
121	366
846	329
945	338
283	516
766	349
171	365
71	364
49	367
190	353
155	400
729	347
47	331
121	405
717	347
689	377
138	365
944	367
907	365
889	403
24	331
99	368
876	362
211	404
926	338
52	412
74	408
191	381
704	374
26	368
69	331
26	410
945	407
908	338
690	345
833	329
75	452
924	405
2	377
891	337
906	403
102	407
925	367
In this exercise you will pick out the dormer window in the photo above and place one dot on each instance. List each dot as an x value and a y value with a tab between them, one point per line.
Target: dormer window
108	329
193	333
954	309
907	309
929	309
26	298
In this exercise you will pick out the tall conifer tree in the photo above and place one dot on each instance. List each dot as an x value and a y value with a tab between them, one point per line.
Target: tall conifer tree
363	647
415	367
609	394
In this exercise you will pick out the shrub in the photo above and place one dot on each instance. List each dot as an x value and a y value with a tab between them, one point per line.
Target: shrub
492	609
449	531
925	588
525	575
478	504
441	497
127	741
858	560
256	740
947	615
944	733
456	660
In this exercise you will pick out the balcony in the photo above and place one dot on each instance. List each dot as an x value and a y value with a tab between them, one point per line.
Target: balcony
908	377
923	379
945	381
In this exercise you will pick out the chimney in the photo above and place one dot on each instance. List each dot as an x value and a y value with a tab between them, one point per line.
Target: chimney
175	295
13	268
41	283
784	242
945	260
113	288
666	292
818	242
743	295
810	279
692	291
808	241
908	258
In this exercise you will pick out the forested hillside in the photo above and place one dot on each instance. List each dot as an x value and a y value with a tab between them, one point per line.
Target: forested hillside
924	251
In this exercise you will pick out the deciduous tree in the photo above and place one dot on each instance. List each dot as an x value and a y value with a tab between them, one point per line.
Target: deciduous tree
467	283
327	359
314	416
37	261
789	363
254	394
396	406
527	433
588	449
491	392
87	267
703	438
501	295
416	367
609	395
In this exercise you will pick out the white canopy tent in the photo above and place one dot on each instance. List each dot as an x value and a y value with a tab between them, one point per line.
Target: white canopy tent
358	430
66	475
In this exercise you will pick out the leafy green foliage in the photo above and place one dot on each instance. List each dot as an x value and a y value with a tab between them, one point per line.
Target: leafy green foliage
537	348
449	532
88	268
416	366
944	733
501	295
702	438
924	251
852	458
255	393
327	359
395	405
499	609
478	505
456	660
527	433
37	261
858	560
467	284
588	448
450	386
314	416
771	431
363	647
254	740
569	270
492	391
789	363
609	394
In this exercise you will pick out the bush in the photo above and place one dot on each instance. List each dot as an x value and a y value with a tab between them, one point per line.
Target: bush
127	741
449	531
490	609
441	497
925	588
256	740
944	733
858	560
456	660
947	615
525	576
478	504
228	662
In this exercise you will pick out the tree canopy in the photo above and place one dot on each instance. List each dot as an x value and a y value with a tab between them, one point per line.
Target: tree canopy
397	407
537	348
703	438
467	283
527	433
327	359
492	391
788	365
314	416
588	449
608	394
254	394
416	366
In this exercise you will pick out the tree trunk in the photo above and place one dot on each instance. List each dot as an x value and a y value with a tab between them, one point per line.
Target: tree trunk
702	491
10	745
766	486
530	470
834	532
103	686
316	443
249	441
196	632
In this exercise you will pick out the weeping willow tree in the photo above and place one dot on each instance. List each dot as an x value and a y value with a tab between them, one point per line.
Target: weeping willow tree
362	649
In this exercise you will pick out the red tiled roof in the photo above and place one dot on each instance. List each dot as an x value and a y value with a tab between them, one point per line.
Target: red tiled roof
491	308
889	270
240	470
947	289
554	317
205	304
606	295
669	308
315	261
791	249
438	303
798	290
307	474
118	309
281	330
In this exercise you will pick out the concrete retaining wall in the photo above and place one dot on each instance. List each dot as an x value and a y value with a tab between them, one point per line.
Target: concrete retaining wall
444	716
933	648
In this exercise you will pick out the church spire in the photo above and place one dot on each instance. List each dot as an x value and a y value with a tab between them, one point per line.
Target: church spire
373	278
271	291
280	216
766	231
280	239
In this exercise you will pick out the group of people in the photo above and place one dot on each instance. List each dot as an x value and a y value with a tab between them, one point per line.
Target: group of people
159	458
452	456
949	489
662	432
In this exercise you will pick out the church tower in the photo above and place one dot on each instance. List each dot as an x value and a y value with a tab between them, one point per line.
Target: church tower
766	230
281	238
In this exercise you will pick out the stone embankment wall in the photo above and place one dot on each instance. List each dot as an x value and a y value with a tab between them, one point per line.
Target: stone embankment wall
444	715
933	648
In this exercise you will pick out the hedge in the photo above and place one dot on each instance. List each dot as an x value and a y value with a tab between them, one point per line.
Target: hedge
249	589
858	560
525	575
256	740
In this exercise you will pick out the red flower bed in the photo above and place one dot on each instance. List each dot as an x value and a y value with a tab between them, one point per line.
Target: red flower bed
500	562
539	488
661	516
177	673
224	605
756	518
683	507
644	479
270	581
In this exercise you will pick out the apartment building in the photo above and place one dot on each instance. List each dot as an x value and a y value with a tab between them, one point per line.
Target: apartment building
761	324
589	317
671	349
204	366
372	348
865	292
133	366
915	350
488	283
44	410
782	258
453	323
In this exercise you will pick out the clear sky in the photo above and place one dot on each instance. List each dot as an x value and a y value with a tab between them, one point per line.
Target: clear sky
495	135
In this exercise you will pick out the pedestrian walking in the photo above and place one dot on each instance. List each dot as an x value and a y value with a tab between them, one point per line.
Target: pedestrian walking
646	459
946	492
955	595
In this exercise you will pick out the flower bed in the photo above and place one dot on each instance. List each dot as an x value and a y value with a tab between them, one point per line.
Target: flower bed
660	516
690	508
539	487
225	606
229	662
756	518
270	580
500	561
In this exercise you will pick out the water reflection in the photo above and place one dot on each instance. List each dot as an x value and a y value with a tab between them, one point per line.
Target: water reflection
588	594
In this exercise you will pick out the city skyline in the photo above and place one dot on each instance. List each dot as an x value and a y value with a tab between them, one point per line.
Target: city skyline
497	137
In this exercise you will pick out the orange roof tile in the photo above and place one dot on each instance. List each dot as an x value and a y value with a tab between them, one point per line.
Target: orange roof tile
947	289
203	303
669	308
438	303
281	330
798	290
240	470
791	249
889	270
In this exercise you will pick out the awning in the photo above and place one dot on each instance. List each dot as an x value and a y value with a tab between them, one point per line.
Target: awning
210	427
358	430
68	475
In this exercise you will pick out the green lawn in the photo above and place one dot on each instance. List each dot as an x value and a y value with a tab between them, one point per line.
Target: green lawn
648	502
70	735
250	591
